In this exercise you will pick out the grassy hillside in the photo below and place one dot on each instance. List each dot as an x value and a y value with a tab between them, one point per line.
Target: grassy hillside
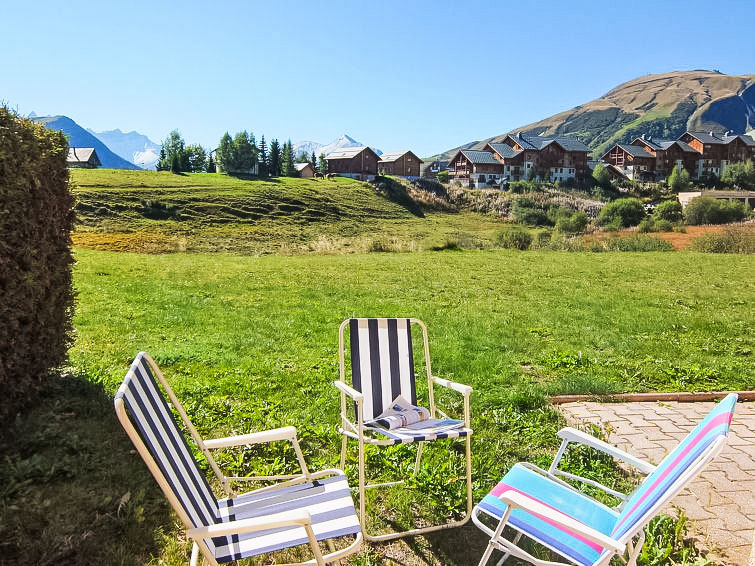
662	105
148	211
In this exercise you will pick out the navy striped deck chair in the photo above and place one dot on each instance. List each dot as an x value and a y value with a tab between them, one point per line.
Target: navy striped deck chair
381	360
301	509
539	505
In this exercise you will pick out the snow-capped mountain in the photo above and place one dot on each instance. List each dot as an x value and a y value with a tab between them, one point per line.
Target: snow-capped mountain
132	146
338	143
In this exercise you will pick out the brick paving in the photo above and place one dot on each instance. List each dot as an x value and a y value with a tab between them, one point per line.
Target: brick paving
720	503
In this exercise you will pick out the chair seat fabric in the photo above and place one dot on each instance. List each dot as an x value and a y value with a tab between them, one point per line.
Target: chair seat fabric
328	500
556	496
430	433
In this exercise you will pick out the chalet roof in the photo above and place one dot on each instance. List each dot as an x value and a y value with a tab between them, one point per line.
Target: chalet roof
302	166
479	156
539	142
635	150
504	150
721	139
346	152
80	154
663	145
394	155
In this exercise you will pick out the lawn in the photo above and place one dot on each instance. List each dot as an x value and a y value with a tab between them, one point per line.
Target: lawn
251	343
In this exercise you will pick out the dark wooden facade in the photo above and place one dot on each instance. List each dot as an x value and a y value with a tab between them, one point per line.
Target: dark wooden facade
403	164
358	162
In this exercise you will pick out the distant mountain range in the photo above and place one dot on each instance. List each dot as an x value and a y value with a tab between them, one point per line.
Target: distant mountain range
338	143
664	106
79	137
132	146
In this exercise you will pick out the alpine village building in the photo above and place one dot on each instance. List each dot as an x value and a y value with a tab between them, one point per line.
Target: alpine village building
356	162
82	157
702	154
520	157
400	163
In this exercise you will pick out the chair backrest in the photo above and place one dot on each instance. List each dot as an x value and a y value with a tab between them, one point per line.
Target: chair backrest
382	362
676	469
178	473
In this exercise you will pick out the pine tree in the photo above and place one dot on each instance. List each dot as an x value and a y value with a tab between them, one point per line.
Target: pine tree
313	160
225	154
210	164
263	157
287	160
322	165
274	159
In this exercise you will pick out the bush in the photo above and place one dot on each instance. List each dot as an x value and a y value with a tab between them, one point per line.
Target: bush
526	211
443	176
679	180
573	224
740	175
652	224
542	239
730	241
708	210
521	187
514	237
624	212
36	218
637	244
670	210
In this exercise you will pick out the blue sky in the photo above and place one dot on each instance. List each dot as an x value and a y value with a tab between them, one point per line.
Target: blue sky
417	75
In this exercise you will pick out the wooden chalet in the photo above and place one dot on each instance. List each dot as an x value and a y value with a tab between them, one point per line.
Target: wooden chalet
400	163
83	157
718	150
305	170
357	162
556	158
631	161
476	169
669	154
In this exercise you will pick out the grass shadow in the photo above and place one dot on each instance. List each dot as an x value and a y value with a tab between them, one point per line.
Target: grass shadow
72	489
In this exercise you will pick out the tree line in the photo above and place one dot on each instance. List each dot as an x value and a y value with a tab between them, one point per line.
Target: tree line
237	155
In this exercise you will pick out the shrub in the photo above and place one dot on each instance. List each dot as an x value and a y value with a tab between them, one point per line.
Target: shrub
36	218
637	243
730	241
670	210
526	211
679	180
623	213
740	175
514	237
521	187
652	224
542	239
573	224
443	176
708	210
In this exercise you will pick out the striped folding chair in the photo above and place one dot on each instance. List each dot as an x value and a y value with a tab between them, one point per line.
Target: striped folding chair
382	369
301	509
539	505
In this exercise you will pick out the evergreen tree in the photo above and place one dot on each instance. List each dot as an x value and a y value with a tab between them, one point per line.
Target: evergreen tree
243	153
287	166
225	153
174	149
322	165
313	161
175	164
679	180
263	157
210	164
162	163
195	158
274	159
302	157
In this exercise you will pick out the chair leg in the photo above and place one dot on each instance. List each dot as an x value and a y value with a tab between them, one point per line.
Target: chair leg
344	440
194	554
314	545
420	446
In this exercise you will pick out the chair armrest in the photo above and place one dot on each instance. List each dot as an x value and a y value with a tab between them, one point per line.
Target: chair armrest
569	434
465	390
284	433
300	517
350	391
526	503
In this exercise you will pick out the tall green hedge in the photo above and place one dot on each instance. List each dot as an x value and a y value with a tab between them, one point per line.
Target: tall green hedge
36	292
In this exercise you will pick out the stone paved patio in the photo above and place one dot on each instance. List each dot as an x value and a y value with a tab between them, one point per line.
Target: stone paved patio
721	501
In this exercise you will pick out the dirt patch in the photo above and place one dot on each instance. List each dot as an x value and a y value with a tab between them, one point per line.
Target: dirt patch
680	240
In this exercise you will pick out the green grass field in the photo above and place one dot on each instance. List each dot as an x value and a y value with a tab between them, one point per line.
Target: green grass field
250	342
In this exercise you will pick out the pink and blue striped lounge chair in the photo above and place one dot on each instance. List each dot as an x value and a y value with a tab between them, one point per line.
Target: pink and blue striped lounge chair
537	504
381	358
303	509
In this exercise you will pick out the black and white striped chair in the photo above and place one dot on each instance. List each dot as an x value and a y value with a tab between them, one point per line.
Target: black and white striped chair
381	358
299	510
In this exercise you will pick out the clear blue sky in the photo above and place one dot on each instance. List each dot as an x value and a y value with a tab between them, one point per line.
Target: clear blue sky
425	76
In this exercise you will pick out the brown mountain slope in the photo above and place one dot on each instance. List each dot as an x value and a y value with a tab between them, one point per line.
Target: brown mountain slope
662	105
